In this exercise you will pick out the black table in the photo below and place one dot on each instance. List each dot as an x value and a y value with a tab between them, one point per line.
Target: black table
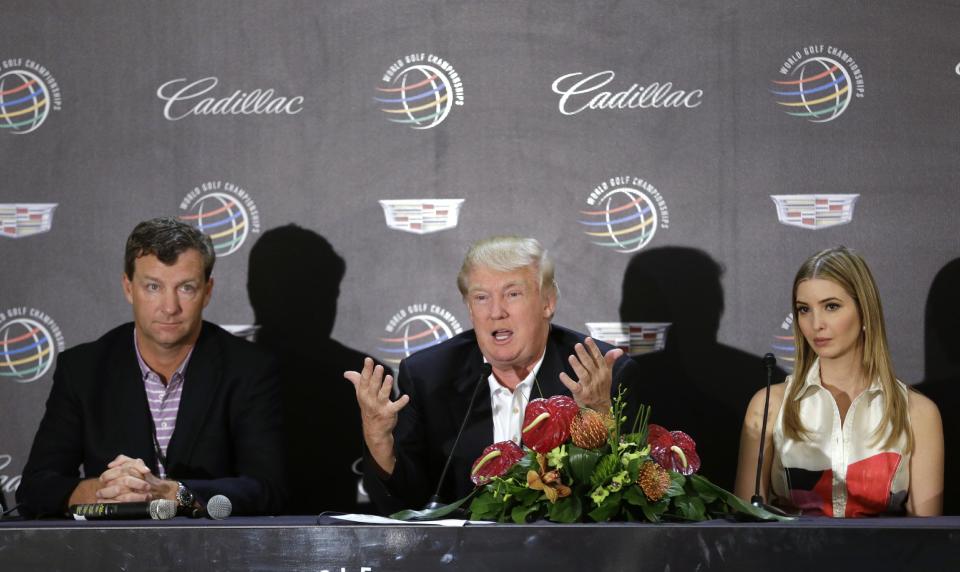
299	543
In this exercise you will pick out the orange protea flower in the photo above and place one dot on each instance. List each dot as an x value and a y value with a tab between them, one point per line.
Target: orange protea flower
547	481
589	429
653	480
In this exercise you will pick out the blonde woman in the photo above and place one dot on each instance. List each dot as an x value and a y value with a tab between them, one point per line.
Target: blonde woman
845	437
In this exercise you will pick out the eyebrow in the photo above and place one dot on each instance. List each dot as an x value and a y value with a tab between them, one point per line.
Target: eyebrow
149	278
831	298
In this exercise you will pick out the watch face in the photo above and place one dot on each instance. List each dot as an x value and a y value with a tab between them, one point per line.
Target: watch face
184	496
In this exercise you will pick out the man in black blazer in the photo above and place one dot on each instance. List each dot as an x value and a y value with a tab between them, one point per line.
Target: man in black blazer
168	406
509	288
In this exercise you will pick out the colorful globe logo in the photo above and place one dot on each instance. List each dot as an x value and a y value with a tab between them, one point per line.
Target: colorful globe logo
626	223
784	344
421	97
24	102
413	334
223	218
26	350
820	92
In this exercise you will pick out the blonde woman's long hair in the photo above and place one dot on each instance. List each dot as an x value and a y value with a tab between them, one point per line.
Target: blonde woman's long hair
848	269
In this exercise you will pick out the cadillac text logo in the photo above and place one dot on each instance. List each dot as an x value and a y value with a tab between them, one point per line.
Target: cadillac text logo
624	213
28	92
184	98
29	342
224	211
632	337
18	220
783	344
814	211
579	92
8	482
419	90
416	327
422	216
818	83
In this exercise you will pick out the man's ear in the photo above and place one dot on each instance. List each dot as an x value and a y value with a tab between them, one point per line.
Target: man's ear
208	292
549	304
127	287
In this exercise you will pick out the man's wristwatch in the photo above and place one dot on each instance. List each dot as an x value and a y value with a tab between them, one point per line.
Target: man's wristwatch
185	496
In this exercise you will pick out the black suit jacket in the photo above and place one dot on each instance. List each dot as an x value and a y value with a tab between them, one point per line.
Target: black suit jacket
227	438
440	381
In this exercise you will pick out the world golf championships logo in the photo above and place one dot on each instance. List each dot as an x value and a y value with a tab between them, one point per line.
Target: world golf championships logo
29	342
416	327
625	214
419	90
28	92
224	211
783	344
819	82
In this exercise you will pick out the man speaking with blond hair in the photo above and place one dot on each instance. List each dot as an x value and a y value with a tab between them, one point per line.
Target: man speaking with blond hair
508	285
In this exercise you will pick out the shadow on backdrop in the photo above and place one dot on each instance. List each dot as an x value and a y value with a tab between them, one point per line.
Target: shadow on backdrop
695	384
293	284
941	380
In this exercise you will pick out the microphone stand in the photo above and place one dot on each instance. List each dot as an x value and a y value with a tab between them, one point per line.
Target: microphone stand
434	503
757	499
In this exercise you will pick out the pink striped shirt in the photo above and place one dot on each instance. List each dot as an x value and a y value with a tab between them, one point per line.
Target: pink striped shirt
163	400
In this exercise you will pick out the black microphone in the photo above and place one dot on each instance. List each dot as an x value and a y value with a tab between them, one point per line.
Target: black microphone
161	509
218	507
757	500
485	370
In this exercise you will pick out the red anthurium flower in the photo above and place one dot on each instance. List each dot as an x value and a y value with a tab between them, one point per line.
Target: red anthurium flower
673	450
546	422
495	461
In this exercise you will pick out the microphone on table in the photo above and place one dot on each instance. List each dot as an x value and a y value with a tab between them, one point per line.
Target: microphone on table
757	499
485	370
218	507
161	509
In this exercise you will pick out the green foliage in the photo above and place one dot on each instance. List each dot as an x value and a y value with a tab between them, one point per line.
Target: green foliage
581	463
566	510
603	484
607	467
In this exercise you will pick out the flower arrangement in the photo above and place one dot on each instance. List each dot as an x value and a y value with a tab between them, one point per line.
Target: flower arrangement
578	465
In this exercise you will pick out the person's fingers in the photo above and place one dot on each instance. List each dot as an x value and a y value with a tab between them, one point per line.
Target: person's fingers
133	497
119	460
395	406
593	349
579	369
567	382
612	356
385	388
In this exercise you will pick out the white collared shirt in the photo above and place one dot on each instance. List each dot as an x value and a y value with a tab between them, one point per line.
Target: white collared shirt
508	406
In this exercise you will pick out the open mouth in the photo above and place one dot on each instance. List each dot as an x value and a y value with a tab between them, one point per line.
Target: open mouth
502	336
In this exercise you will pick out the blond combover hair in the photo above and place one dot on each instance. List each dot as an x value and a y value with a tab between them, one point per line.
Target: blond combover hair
506	254
848	269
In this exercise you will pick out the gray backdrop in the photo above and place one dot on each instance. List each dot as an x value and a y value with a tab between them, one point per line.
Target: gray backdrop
85	128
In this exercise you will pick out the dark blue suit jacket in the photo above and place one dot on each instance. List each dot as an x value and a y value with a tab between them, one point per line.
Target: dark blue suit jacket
440	381
227	440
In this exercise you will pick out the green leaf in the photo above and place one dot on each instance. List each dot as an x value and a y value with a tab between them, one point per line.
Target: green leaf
566	509
435	514
635	496
676	484
703	488
691	508
607	467
653	511
520	513
737	503
486	507
581	463
608	509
